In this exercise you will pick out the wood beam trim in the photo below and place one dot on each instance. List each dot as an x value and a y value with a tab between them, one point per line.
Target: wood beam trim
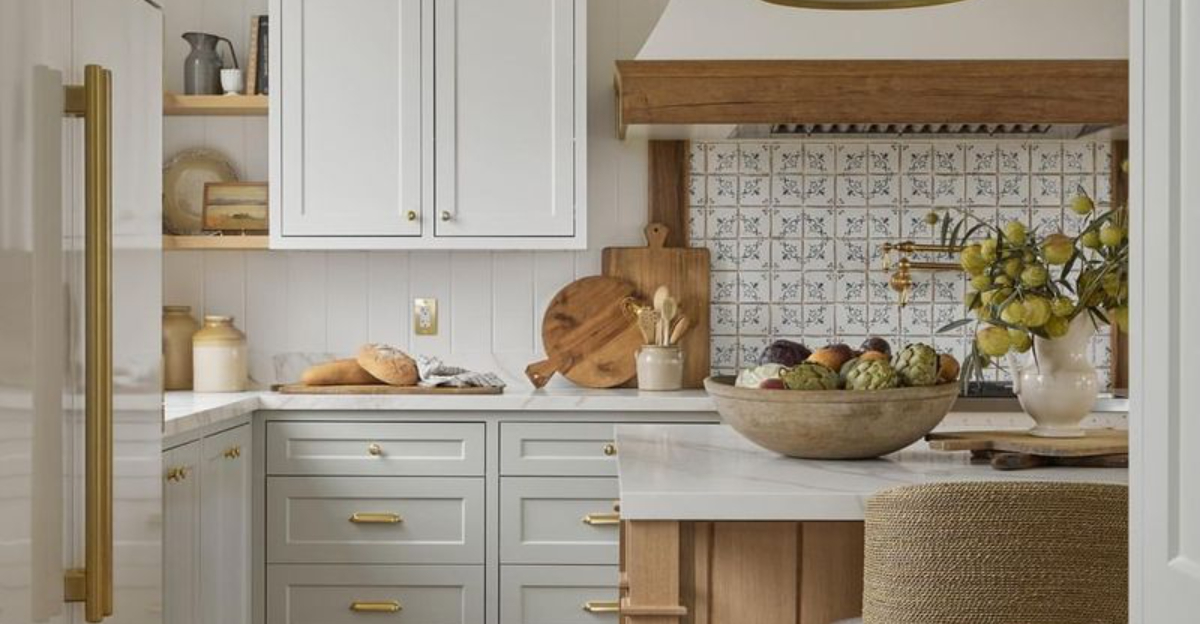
873	91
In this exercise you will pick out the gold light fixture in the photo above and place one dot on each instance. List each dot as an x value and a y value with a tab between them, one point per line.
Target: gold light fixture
859	5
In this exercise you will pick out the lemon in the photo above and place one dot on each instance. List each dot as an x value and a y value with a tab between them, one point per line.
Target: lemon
983	281
931	218
1112	235
1003	280
1061	306
1019	340
988	249
993	341
1058	249
1091	239
1013	267
1037	311
1034	276
1082	204
1014	231
1013	313
972	260
1057	326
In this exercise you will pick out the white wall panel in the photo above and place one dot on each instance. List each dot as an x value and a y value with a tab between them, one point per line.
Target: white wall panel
347	286
389	315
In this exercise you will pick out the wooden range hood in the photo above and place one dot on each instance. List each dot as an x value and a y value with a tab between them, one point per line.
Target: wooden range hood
713	92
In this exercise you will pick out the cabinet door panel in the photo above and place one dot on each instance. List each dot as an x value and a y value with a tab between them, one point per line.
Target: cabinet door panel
349	100
308	594
558	595
558	520
385	449
225	527
181	534
509	101
558	449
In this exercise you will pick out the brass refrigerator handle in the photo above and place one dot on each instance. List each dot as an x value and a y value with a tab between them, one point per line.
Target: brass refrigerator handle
92	584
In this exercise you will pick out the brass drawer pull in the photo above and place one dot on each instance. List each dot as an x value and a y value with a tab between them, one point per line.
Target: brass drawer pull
610	449
389	606
376	518
602	606
602	519
177	473
233	452
374	449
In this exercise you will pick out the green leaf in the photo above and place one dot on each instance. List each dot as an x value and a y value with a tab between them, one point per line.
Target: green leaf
1066	270
957	229
954	325
945	229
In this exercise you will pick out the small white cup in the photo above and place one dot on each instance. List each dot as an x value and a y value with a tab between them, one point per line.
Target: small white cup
231	81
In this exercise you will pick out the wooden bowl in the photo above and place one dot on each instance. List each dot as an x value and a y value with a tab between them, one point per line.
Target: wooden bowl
832	424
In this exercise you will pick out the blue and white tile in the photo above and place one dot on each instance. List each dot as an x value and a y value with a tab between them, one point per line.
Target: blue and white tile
724	286
818	254
949	159
1103	190
851	223
819	287
883	190
949	287
755	158
850	319
754	190
787	157
1013	213
787	190
851	287
852	190
1046	157
922	287
918	322
754	255
913	224
819	158
1047	190
878	288
982	190
754	319
1073	224
883	223
819	222
819	190
724	319
851	158
697	223
818	322
724	356
697	190
949	190
722	158
787	287
916	158
982	157
754	222
750	348
1075	184
1013	157
754	287
722	190
698	157
723	254
1103	158
787	320
1014	190
1047	219
787	223
883	158
916	190
1078	157
945	314
884	317
722	223
787	254
852	255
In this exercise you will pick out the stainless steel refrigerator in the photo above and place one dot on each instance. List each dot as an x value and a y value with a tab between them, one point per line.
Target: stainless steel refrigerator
80	295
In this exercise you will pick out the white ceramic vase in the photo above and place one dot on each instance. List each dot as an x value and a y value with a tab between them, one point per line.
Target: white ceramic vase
1058	387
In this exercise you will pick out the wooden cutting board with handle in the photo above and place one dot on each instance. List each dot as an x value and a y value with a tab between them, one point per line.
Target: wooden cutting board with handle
684	271
587	336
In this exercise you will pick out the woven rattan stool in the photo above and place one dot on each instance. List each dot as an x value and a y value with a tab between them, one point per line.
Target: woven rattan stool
997	553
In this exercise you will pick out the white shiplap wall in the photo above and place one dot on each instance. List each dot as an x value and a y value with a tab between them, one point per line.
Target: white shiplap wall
490	303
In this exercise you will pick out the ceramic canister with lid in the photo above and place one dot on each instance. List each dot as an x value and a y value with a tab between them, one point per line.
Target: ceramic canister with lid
178	326
219	356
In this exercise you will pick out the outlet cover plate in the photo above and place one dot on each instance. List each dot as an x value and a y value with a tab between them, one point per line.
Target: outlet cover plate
425	317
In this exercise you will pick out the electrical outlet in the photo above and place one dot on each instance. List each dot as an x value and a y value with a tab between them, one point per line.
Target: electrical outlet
425	317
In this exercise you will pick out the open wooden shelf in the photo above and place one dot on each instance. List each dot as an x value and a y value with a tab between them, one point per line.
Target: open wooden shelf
214	105
229	242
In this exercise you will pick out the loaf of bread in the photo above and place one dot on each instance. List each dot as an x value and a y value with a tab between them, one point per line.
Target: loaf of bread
389	364
338	373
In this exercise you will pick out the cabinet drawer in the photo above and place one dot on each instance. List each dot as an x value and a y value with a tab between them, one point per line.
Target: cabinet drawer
324	448
375	520
558	520
558	449
345	594
558	595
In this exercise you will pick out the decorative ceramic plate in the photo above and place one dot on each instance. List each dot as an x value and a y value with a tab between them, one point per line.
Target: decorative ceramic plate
184	177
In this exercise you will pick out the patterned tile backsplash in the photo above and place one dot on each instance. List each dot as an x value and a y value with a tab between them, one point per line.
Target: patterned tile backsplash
795	228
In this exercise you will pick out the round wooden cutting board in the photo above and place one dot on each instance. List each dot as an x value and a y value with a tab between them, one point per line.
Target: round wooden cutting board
587	336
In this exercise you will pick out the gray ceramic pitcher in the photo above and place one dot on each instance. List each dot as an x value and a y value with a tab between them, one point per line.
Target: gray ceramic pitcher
202	67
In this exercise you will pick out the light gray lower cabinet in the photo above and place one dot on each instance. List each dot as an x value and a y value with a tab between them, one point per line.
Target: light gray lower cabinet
558	594
569	520
375	520
382	449
557	449
344	594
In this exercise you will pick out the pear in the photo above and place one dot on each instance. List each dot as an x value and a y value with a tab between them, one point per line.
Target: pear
1058	249
993	340
1057	326
1037	311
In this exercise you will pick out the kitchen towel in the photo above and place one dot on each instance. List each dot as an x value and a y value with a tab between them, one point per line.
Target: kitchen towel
434	372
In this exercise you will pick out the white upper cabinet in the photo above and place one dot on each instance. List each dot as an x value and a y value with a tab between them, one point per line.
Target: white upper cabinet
443	124
510	118
349	150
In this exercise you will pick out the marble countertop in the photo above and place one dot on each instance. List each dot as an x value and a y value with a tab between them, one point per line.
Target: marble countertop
707	472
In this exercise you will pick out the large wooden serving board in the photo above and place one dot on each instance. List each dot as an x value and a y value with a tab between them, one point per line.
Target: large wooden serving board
684	271
1096	442
384	389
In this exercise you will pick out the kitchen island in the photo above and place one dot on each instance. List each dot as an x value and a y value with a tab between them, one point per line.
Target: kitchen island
717	530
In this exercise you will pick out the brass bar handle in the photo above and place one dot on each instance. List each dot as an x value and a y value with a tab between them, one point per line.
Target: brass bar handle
387	606
93	584
376	518
602	606
602	519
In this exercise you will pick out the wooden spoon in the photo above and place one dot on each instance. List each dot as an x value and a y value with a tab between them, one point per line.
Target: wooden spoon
681	328
669	309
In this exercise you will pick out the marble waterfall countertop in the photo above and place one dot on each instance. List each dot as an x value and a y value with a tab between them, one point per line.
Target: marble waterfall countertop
706	472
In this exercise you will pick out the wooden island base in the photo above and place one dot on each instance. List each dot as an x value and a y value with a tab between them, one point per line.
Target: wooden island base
740	572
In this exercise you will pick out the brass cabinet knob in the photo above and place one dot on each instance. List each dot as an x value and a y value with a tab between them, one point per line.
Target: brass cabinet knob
374	449
412	215
610	449
446	216
176	474
232	452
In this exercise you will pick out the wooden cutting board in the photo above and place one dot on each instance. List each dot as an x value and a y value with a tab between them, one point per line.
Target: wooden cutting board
587	336
684	271
383	389
1096	442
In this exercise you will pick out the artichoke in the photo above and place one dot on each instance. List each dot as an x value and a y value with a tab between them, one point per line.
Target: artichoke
809	376
872	375
917	365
